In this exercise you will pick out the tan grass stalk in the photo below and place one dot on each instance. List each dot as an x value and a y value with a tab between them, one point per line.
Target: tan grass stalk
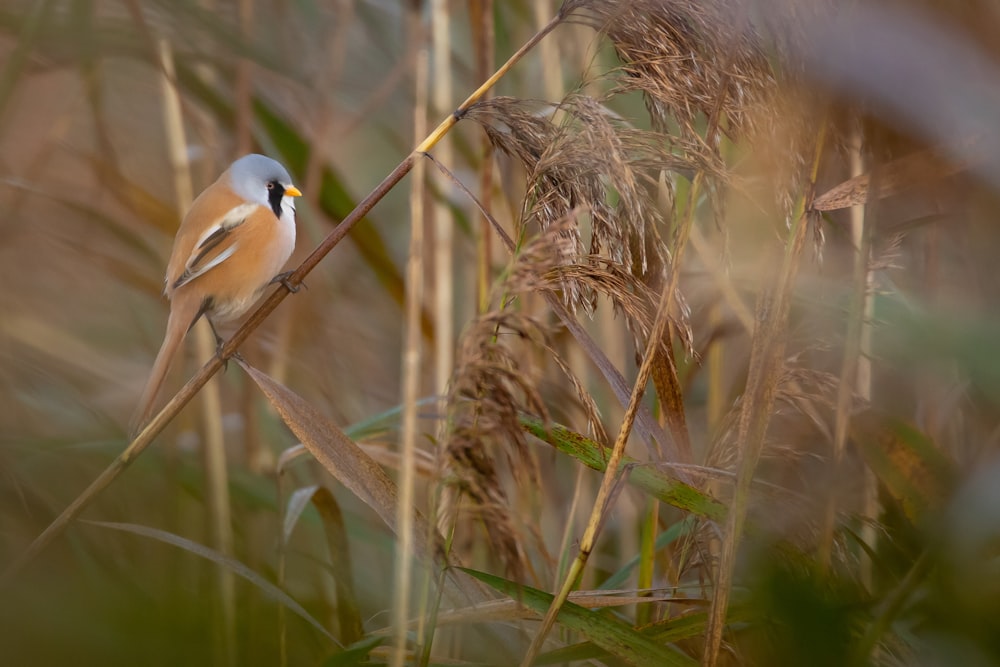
444	279
861	233
242	88
485	41
443	286
168	412
766	361
855	371
402	572
214	447
481	23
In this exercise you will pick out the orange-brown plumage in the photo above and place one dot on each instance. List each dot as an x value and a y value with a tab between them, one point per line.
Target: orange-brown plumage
229	247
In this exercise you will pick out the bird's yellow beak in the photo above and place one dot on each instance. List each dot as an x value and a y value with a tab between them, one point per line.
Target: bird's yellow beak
292	191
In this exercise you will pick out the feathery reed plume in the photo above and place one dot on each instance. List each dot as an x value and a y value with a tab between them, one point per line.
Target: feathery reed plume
491	388
687	58
700	60
592	168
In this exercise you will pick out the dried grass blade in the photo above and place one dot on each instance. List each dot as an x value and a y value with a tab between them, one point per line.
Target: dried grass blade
671	395
214	446
645	424
351	466
412	355
915	170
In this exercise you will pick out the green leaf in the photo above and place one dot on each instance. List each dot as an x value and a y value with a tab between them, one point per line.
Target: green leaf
223	560
646	478
615	637
355	654
670	630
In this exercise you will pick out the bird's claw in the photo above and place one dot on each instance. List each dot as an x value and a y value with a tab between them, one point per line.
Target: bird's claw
282	279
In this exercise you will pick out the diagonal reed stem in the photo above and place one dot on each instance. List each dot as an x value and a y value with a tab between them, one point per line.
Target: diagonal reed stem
610	479
263	311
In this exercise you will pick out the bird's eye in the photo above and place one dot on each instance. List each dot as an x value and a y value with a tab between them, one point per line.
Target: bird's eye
270	186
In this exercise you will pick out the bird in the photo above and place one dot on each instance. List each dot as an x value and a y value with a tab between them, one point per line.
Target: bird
230	246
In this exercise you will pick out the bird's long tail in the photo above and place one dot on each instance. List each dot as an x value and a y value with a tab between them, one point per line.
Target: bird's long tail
182	316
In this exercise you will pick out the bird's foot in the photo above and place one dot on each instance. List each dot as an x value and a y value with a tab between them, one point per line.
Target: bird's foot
282	279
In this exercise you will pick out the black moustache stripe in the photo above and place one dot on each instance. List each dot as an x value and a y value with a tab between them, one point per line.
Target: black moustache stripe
274	196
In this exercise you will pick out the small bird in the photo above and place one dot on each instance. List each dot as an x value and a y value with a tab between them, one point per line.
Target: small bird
231	245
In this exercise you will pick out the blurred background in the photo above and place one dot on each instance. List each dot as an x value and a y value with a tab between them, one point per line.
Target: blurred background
715	147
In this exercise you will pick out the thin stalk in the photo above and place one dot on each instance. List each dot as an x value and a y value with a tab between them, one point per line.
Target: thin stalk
214	449
855	371
242	87
443	298
173	407
861	230
282	563
766	358
647	558
411	378
549	55
444	278
571	522
481	15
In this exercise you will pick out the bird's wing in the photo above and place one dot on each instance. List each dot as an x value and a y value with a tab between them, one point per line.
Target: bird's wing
215	245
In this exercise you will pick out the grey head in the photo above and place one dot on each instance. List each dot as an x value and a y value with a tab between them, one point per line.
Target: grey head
260	179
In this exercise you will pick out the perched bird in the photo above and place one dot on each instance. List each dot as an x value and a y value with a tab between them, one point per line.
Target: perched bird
231	245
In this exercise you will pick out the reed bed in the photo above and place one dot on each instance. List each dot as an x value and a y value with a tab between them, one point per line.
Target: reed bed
674	343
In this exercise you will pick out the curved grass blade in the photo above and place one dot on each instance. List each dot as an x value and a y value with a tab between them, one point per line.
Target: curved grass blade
232	564
296	505
352	467
356	654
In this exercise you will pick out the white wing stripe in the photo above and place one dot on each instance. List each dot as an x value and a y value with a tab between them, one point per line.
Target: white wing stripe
214	262
234	217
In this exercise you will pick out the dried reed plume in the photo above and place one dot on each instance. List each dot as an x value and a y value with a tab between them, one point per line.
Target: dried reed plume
597	177
689	59
491	387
